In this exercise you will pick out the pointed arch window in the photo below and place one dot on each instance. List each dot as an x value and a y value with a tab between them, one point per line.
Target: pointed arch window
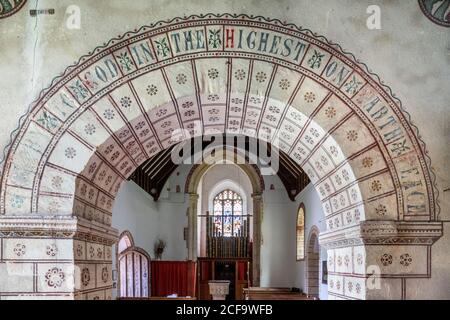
300	232
228	214
227	226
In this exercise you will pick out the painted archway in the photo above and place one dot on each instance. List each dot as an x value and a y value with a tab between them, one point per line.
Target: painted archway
124	102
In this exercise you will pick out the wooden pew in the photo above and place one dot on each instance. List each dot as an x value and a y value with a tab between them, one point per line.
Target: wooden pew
259	293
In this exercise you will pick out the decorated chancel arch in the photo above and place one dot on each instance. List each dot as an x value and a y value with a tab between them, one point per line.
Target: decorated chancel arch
128	100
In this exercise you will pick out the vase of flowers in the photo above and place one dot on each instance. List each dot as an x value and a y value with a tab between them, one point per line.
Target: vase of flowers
160	245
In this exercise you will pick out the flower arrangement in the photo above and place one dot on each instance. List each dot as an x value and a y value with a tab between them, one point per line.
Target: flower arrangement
159	247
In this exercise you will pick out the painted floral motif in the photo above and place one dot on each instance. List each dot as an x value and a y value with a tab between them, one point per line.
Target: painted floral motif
339	261
181	78
79	90
125	102
214	38
85	276
51	250
17	201
350	286
359	259
99	253
213	73
237	100
91	252
213	97
357	215
405	260
55	277
315	60
284	84
376	185
54	207
109	114
271	118
79	250
261	76
152	90
108	253
386	259
105	274
352	135
334	151
367	162
346	260
70	153
354	194
89	129
125	61
20	250
358	288
255	100
345	175
57	182
309	97
187	104
189	113
47	120
381	210
330	112
161	112
239	74
296	116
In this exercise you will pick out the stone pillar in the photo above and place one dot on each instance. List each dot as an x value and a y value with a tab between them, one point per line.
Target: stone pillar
257	238
219	289
192	226
373	259
59	257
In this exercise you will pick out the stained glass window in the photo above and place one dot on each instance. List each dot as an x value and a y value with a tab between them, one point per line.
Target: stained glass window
301	233
228	214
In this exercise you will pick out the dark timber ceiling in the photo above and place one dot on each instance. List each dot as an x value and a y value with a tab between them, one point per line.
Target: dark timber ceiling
153	174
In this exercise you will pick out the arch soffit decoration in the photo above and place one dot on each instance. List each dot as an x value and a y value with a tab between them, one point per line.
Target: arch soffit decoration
120	104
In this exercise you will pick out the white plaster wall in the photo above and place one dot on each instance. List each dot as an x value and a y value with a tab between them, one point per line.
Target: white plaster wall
278	251
147	220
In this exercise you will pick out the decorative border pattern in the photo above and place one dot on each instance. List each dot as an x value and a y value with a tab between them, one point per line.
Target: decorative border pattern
431	17
14	10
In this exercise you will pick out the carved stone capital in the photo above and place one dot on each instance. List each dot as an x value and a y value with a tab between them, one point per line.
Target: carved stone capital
193	197
383	233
